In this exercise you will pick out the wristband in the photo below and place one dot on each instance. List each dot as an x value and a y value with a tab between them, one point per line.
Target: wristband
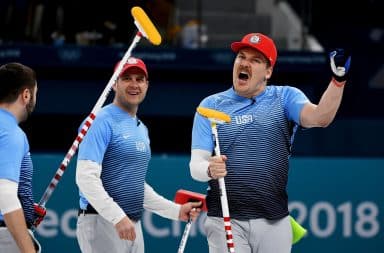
337	83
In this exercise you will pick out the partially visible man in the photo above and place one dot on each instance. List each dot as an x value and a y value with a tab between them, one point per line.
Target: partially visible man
18	88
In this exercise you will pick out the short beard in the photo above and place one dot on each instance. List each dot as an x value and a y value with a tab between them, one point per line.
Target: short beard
30	107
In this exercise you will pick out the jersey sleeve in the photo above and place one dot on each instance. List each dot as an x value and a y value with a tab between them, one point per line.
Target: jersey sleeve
201	130
14	147
96	140
294	101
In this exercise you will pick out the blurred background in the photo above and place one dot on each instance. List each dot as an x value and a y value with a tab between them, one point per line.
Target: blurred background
335	188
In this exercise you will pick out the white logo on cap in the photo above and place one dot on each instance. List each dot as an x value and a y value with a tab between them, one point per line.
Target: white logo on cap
254	39
132	60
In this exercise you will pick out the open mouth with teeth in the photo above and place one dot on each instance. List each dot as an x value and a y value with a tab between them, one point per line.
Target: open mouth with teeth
133	93
243	76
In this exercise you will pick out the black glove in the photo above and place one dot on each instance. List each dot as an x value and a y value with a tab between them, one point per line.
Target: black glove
340	62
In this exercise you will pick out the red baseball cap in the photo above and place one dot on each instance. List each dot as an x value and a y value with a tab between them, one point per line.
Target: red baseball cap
133	62
260	42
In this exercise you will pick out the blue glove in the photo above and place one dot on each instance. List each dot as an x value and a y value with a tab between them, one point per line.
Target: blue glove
340	63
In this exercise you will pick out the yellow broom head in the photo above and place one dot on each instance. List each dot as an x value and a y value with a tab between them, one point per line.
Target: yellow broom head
214	115
145	25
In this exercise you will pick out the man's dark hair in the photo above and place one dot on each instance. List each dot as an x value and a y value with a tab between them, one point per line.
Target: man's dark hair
14	78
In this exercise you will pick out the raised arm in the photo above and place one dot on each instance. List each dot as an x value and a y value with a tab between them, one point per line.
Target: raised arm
322	114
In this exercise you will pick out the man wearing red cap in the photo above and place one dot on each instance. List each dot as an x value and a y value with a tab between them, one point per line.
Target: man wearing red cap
256	145
111	168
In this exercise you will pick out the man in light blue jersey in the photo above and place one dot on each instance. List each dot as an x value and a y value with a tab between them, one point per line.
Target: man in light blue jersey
18	88
111	169
256	145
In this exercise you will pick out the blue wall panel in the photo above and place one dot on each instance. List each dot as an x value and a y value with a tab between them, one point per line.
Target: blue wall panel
339	201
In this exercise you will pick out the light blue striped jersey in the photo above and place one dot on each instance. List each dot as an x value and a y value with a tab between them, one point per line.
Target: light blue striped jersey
257	143
120	143
15	161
